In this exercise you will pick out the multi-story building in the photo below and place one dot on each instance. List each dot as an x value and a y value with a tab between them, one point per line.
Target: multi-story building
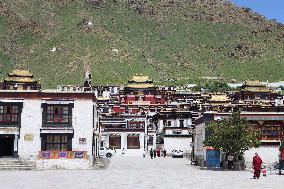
270	124
176	128
127	133
49	127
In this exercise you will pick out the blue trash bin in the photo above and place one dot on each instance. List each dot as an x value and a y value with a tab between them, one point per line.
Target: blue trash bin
213	158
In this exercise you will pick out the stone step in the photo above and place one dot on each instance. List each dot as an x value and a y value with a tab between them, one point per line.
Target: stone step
16	169
101	163
19	165
16	165
10	162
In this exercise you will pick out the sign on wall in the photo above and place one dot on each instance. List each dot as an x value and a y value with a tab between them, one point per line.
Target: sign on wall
63	155
78	155
82	141
29	137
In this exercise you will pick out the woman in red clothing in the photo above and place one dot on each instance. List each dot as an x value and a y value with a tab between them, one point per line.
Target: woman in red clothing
158	152
281	157
256	163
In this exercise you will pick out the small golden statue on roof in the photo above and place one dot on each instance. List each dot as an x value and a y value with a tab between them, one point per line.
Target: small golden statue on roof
20	79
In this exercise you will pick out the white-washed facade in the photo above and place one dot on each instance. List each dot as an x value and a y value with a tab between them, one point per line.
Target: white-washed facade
53	129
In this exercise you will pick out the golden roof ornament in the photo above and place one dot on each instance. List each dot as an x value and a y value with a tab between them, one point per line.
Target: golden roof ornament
139	78
255	86
20	73
139	81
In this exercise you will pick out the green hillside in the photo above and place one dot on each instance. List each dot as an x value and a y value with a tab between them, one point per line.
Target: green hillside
173	41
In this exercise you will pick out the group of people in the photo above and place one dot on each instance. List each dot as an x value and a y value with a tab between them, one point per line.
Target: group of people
256	164
157	153
281	157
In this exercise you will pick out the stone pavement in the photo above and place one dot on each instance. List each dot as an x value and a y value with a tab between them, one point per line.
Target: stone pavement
136	172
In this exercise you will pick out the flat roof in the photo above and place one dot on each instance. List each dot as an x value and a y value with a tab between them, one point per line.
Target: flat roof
28	94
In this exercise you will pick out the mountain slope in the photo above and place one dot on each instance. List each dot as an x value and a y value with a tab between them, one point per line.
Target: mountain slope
173	41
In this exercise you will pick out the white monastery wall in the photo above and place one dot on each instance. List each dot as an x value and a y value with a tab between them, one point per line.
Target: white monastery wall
268	154
171	143
82	122
29	143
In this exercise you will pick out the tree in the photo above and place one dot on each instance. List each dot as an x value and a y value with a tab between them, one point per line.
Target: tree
232	135
216	86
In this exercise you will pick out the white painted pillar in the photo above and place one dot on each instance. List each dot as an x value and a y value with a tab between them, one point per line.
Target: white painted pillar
15	144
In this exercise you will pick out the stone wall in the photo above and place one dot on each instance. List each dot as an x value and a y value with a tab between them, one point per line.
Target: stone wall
171	143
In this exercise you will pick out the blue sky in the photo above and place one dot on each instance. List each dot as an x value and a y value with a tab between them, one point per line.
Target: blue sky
272	9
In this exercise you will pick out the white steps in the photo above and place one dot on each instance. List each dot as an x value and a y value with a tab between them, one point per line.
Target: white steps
15	164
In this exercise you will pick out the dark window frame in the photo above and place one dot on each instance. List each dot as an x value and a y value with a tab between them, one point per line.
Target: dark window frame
9	113
181	123
150	140
271	132
169	123
112	141
52	115
130	141
48	140
132	124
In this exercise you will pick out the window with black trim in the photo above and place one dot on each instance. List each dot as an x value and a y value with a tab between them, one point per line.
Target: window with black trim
115	141
57	115
133	142
9	114
150	140
271	132
181	123
169	123
56	142
135	124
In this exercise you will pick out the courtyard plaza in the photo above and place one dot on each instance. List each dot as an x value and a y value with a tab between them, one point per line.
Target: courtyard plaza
138	172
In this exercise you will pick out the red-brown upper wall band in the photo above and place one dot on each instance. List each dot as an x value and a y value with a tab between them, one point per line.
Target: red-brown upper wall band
42	94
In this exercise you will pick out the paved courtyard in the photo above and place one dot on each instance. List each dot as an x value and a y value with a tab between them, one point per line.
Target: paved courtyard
136	172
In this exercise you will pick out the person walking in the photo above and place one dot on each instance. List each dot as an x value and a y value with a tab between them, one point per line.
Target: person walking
144	153
158	152
264	172
155	153
164	153
281	157
230	161
256	164
151	153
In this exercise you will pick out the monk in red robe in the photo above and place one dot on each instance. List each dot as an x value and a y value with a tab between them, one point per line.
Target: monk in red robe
256	163
281	158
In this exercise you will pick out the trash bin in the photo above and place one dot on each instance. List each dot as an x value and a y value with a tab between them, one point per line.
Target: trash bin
212	158
237	166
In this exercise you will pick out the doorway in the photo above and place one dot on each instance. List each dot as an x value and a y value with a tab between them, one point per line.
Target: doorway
6	145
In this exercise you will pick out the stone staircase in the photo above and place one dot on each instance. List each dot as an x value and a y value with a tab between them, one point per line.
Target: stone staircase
101	163
10	164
